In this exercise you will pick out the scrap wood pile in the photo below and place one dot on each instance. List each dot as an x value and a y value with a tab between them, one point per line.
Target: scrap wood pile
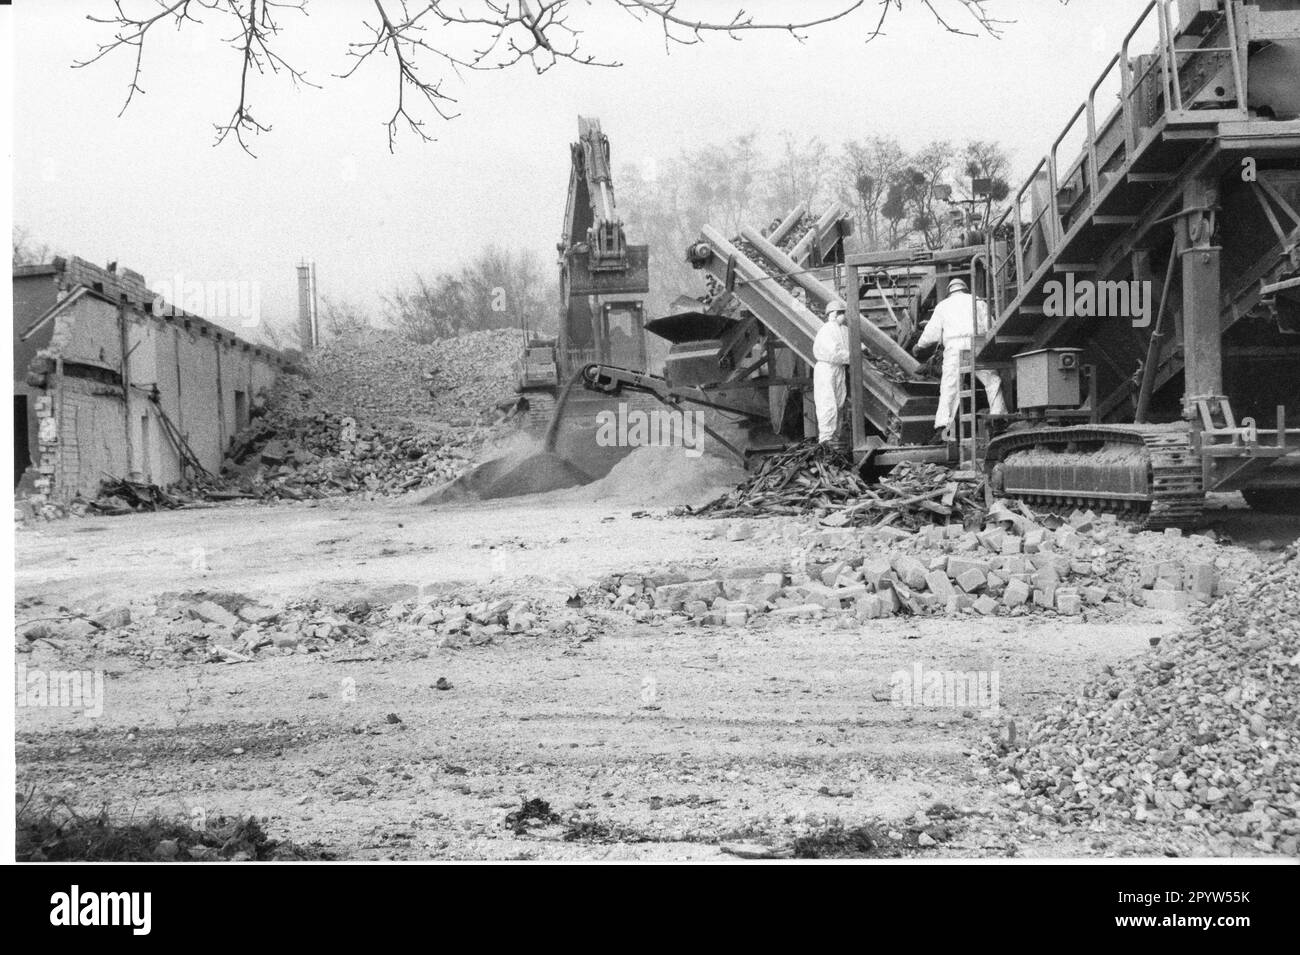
118	496
815	477
1203	731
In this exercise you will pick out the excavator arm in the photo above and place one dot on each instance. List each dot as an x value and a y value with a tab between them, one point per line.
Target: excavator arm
611	380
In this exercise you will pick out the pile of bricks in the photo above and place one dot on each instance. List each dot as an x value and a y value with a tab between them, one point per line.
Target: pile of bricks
1014	564
1011	564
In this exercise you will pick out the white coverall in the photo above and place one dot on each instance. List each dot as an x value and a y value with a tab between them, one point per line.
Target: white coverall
951	323
831	350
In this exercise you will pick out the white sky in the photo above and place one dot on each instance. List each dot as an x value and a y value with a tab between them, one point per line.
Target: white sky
149	190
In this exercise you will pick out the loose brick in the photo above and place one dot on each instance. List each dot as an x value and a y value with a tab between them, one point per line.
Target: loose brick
672	596
939	584
1095	595
1017	594
877	572
1167	600
1200	579
1068	603
959	565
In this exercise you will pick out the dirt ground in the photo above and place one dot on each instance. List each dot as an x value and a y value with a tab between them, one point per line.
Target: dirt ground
646	741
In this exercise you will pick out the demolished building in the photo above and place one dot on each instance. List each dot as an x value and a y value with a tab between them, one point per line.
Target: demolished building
111	383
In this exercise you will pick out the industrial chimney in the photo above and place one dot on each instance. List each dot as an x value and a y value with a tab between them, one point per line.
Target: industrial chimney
308	329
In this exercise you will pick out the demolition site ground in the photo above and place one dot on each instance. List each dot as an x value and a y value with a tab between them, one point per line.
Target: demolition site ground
571	730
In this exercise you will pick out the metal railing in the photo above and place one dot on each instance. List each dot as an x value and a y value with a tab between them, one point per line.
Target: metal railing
1011	273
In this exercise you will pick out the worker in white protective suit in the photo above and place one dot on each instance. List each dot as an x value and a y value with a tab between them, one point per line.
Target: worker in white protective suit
954	323
831	351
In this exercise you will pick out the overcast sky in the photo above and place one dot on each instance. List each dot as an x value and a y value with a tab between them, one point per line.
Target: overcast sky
149	190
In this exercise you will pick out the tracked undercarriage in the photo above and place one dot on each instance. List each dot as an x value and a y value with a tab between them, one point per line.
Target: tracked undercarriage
1148	473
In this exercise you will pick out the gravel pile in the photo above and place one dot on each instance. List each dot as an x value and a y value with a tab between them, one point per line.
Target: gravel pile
1201	732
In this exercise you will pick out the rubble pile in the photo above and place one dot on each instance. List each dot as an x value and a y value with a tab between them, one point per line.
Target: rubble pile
383	379
289	454
1201	731
233	628
1009	564
815	477
377	414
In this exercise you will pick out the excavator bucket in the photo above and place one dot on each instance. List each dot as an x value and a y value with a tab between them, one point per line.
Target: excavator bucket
587	277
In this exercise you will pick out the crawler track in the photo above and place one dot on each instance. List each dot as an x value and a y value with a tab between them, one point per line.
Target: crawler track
1148	473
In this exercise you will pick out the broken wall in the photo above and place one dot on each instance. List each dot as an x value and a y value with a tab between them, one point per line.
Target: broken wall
94	417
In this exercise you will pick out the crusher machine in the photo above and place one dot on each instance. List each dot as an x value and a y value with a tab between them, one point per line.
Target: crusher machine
1144	284
1184	199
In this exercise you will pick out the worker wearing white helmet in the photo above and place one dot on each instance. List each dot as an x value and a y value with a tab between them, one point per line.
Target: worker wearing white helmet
954	323
831	351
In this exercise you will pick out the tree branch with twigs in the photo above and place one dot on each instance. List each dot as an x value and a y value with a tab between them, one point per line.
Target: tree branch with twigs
426	42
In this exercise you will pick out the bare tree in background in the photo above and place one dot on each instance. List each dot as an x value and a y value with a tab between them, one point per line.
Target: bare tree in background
427	42
801	173
498	289
27	251
340	318
866	170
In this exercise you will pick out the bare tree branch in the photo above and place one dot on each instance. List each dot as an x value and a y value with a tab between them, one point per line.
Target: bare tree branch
428	40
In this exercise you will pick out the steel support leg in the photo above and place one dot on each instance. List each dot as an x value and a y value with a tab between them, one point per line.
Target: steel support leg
1202	338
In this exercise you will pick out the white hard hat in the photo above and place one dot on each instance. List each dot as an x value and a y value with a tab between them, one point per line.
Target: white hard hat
957	285
834	307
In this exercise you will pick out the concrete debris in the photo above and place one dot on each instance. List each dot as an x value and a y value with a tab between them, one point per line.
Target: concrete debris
1202	731
1012	564
228	627
384	380
327	454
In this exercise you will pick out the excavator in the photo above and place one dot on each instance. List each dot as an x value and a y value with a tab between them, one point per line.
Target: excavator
603	280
